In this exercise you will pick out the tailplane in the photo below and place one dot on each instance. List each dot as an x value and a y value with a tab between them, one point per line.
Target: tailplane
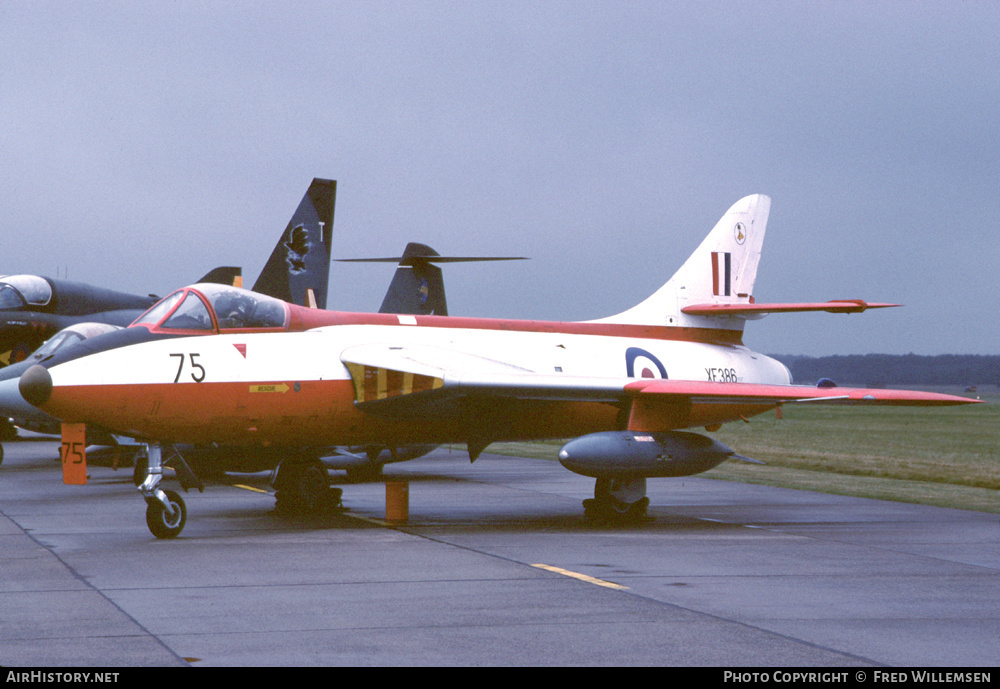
721	271
417	287
298	270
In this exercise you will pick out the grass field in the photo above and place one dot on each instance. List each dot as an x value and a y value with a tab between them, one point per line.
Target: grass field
947	456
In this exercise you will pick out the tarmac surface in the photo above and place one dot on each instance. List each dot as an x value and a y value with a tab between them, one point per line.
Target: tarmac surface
726	575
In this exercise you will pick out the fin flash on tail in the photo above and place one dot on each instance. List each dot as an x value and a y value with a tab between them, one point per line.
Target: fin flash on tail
722	270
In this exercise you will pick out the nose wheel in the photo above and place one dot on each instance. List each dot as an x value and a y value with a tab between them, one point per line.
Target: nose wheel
166	513
166	520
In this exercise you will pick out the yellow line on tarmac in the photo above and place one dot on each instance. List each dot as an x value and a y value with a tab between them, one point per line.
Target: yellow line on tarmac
255	490
582	577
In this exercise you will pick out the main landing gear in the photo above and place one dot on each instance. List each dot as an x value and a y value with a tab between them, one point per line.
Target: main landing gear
304	487
617	501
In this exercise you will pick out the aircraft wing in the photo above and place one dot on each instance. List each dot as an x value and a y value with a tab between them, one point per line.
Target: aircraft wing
751	393
415	381
409	381
834	306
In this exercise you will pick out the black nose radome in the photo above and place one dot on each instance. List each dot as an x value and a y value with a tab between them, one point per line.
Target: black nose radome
36	385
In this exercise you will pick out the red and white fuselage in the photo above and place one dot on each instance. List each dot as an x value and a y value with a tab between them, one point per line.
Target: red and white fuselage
284	388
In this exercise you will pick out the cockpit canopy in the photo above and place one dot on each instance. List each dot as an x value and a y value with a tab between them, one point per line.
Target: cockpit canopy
20	291
70	336
207	308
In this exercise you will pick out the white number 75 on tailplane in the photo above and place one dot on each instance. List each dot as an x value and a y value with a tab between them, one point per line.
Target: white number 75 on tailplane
624	387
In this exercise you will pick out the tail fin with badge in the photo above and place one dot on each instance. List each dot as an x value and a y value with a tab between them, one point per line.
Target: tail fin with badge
298	270
714	287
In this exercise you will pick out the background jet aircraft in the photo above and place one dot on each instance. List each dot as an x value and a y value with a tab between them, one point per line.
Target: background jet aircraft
298	270
33	308
417	287
623	386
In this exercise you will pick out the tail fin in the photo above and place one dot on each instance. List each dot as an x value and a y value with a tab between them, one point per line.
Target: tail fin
417	287
225	275
722	270
298	270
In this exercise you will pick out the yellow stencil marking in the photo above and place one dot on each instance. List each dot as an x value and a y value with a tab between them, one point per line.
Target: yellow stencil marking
282	388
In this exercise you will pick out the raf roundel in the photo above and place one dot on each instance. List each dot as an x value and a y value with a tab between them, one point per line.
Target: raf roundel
641	364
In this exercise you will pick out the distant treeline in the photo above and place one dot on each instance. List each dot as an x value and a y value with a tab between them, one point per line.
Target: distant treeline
875	370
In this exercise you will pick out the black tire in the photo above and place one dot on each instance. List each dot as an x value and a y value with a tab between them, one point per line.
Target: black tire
283	504
602	489
159	522
605	509
314	485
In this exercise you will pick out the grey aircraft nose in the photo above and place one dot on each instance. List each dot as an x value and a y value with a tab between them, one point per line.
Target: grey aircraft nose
35	385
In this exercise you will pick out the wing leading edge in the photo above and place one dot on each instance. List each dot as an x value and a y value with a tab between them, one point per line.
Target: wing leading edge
751	393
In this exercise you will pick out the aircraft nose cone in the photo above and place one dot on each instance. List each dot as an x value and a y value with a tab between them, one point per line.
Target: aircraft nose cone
36	385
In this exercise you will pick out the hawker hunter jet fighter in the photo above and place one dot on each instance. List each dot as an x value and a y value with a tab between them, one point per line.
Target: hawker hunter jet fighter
417	287
626	387
36	309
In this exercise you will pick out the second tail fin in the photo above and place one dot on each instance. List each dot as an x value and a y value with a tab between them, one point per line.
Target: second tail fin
417	287
225	275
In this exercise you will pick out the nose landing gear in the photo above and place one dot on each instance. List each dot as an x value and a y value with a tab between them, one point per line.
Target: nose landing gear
166	513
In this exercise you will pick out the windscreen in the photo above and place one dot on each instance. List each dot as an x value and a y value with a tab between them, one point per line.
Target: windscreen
192	314
10	298
160	309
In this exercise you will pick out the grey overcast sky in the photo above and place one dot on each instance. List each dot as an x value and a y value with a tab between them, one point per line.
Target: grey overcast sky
143	143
